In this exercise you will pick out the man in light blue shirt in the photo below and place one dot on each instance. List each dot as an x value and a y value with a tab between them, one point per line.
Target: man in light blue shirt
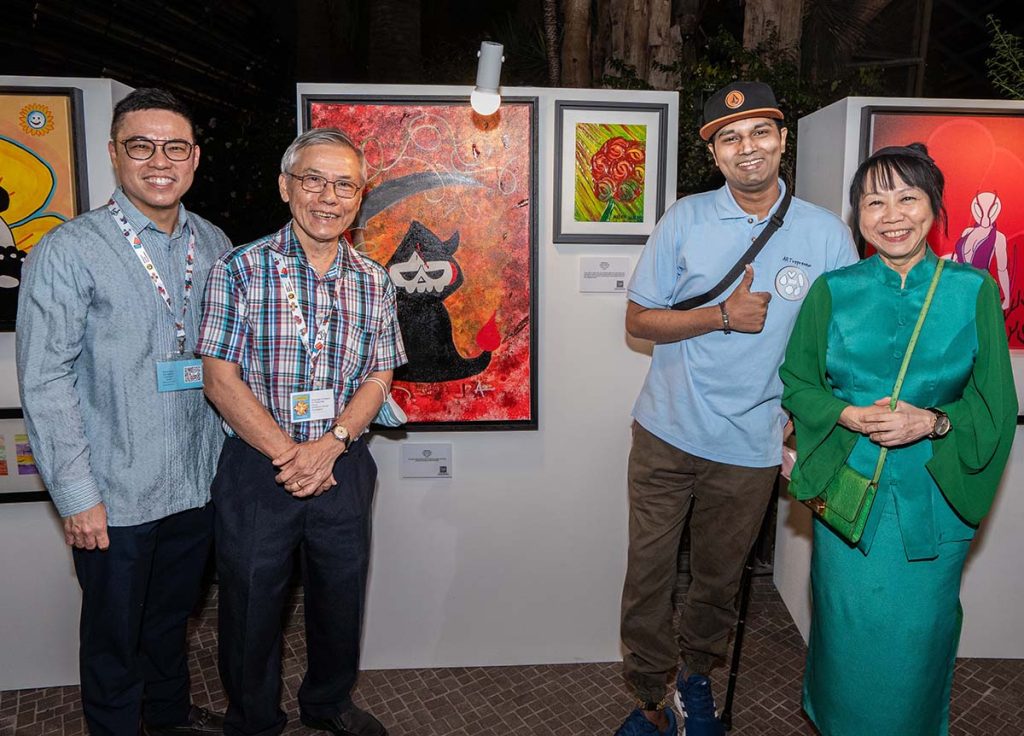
127	445
709	426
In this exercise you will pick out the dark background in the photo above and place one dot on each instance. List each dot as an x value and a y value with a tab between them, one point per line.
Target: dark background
236	63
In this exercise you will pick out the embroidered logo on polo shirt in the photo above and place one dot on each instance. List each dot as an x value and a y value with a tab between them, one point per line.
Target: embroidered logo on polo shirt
791	283
734	99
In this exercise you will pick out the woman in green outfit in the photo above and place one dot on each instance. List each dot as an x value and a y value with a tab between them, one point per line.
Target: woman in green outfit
886	612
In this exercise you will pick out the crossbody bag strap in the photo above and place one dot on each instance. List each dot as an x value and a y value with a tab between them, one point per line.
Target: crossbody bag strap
906	359
774	223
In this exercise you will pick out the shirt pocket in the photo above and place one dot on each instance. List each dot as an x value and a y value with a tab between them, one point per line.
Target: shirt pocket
359	344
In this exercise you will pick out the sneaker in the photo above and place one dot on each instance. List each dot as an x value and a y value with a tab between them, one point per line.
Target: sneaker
696	703
638	725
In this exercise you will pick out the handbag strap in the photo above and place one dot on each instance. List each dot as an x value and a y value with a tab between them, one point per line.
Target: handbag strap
906	359
774	223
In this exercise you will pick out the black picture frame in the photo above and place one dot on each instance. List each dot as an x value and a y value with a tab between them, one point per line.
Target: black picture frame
79	178
869	114
307	102
564	231
37	492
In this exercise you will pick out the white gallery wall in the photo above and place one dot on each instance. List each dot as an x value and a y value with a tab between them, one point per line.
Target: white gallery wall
992	595
519	558
39	595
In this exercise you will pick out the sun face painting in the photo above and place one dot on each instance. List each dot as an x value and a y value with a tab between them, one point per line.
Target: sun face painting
610	167
37	180
448	210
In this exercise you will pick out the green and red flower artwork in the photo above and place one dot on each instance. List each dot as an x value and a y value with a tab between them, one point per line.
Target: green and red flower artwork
611	163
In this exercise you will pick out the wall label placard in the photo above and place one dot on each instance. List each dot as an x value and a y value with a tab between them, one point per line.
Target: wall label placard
604	273
426	460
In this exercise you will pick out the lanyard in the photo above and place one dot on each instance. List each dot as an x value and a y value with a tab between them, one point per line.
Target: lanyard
300	321
158	283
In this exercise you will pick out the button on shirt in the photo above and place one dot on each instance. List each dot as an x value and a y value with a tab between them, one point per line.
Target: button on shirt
91	328
247	320
717	396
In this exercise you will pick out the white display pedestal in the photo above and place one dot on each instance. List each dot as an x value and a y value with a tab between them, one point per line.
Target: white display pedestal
992	595
39	596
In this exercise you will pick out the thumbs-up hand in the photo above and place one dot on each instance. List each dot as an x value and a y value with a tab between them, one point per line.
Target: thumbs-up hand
747	309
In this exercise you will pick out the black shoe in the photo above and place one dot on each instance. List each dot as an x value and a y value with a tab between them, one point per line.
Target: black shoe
353	722
200	721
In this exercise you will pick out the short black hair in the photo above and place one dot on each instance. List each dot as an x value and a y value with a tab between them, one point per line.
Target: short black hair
149	98
910	163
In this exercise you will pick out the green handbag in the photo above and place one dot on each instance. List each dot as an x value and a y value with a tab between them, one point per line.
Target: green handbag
846	502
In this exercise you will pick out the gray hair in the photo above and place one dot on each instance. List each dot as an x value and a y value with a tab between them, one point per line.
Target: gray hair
321	137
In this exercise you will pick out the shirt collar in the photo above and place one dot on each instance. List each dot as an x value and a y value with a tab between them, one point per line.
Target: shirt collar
285	242
727	208
920	274
140	222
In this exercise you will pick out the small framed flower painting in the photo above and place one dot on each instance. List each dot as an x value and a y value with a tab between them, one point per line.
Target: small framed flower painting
609	171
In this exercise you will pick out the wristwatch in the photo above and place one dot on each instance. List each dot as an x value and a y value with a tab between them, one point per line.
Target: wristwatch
942	424
341	434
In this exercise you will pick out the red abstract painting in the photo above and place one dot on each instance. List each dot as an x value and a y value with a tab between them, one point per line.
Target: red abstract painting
449	211
982	159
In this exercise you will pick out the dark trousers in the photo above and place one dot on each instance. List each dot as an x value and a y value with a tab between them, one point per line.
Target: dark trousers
729	503
136	598
260	529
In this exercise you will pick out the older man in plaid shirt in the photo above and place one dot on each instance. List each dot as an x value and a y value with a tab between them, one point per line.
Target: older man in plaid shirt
299	341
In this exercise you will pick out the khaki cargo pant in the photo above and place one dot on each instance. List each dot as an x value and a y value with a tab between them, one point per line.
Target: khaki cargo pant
729	503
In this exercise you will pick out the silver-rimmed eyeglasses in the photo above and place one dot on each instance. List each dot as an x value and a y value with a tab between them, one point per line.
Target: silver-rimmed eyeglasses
314	183
142	149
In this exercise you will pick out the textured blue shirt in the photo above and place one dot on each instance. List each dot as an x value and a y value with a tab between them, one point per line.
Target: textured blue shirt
91	328
717	396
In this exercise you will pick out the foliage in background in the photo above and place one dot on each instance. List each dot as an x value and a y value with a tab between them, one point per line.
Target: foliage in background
722	60
236	183
1006	65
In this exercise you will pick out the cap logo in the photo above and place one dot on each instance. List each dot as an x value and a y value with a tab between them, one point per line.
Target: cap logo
734	99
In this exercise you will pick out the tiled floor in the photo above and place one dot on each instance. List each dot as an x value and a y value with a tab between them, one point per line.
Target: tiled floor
562	700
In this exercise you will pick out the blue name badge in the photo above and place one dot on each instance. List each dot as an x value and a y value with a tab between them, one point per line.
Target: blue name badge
179	375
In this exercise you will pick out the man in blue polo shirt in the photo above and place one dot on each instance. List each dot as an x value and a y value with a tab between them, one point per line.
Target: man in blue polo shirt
709	425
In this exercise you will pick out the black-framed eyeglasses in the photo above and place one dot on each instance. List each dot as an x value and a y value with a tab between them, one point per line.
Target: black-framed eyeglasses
314	183
142	149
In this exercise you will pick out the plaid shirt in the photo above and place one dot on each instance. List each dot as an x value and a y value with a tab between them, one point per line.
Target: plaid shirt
247	320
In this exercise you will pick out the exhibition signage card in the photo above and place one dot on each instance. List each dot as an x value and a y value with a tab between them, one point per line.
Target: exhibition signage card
604	273
426	460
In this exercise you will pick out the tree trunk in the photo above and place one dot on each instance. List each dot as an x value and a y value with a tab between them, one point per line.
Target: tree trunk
834	30
600	50
551	42
630	29
690	13
784	16
576	61
665	41
394	53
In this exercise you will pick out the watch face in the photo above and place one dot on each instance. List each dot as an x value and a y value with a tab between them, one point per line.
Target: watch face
942	425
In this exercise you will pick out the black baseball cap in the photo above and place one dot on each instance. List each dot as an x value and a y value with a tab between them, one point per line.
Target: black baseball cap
736	101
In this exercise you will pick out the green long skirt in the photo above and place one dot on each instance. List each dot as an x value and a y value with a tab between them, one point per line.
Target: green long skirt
884	635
